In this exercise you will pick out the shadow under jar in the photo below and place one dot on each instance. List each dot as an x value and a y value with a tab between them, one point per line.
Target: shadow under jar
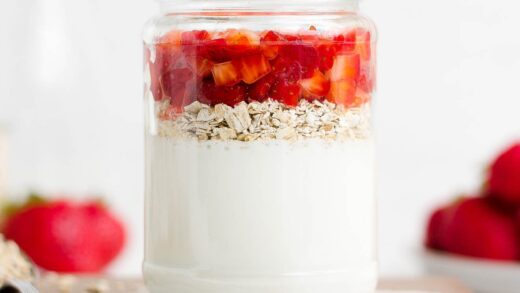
259	150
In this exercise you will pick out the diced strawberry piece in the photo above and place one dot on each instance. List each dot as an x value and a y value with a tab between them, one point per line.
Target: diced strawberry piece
253	67
287	69
219	51
327	51
346	42
367	77
174	86
361	97
342	92
286	92
203	67
194	37
172	38
317	85
225	74
214	50
229	95
345	67
259	91
363	44
241	37
240	43
291	38
306	56
270	43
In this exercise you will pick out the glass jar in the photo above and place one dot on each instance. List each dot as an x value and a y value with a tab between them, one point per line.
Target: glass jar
259	149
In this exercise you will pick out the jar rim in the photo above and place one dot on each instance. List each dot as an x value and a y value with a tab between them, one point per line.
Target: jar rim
258	5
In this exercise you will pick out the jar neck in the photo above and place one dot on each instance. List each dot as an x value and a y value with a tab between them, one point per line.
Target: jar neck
257	6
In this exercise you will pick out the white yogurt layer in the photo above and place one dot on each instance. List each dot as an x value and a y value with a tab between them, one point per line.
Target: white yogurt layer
260	217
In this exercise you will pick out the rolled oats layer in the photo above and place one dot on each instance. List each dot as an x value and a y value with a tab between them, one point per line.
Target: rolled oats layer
268	120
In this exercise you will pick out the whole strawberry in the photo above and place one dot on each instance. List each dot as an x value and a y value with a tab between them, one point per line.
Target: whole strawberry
65	236
436	228
504	176
475	227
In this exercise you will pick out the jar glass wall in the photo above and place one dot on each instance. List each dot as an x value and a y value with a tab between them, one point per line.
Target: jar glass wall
259	150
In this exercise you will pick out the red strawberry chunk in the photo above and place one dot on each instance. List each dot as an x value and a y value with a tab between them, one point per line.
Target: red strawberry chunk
346	43
306	56
286	69
286	92
174	86
318	85
345	66
172	38
259	91
203	67
270	44
212	94
225	74
342	92
326	51
363	45
194	37
253	67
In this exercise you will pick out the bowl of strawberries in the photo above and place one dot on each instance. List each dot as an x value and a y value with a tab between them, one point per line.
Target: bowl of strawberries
476	238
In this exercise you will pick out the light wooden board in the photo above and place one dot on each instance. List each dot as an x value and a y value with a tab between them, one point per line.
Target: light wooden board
108	285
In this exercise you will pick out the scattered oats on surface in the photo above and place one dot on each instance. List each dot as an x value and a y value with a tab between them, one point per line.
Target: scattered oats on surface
13	264
265	121
100	286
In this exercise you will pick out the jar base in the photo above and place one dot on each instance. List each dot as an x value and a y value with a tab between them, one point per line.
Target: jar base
161	279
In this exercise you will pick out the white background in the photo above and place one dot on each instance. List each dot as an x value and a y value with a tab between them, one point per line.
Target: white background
70	98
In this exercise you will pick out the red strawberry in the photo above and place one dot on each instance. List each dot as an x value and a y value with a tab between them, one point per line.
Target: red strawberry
194	37
503	181
286	92
475	227
66	236
346	67
214	50
346	42
366	79
174	86
363	44
316	86
173	37
229	95
270	43
306	56
343	92
253	67
225	74
327	51
259	91
436	228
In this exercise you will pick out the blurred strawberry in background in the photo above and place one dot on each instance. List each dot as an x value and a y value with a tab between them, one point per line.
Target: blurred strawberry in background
486	225
64	235
504	177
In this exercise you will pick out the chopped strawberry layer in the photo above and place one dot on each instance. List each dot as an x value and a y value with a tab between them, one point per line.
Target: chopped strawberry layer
239	65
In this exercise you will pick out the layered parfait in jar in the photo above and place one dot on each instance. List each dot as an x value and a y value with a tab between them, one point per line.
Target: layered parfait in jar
260	164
